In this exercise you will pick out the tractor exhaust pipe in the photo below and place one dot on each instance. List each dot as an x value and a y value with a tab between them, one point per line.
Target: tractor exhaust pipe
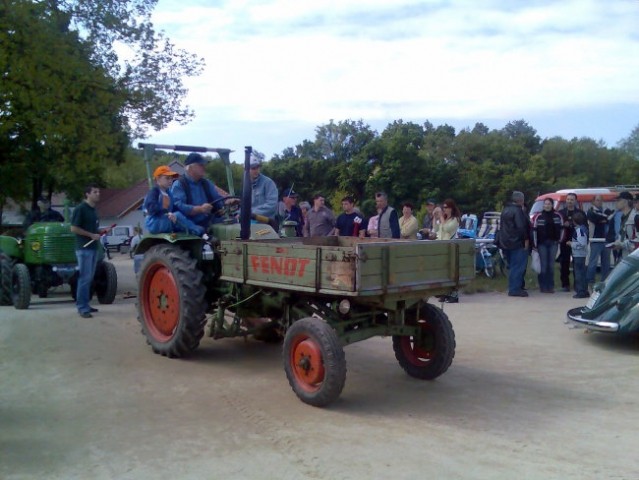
247	195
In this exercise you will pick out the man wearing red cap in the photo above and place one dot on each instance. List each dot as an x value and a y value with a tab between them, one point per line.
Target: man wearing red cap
159	207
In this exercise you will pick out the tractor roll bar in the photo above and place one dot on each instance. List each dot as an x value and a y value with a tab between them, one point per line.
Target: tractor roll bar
183	148
224	154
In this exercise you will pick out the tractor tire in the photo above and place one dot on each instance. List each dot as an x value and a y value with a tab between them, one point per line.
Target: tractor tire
428	356
314	361
6	265
20	286
73	284
171	305
105	282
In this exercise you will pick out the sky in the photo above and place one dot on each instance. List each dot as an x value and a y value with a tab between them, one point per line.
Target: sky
277	69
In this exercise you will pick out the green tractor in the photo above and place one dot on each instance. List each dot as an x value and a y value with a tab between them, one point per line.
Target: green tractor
315	295
43	257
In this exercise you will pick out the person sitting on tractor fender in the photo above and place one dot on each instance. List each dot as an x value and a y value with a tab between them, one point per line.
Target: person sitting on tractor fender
159	207
196	196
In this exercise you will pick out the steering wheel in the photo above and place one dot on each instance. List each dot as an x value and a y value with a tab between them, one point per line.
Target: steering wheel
229	210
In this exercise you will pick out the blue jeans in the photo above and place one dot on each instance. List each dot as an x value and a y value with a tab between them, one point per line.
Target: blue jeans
547	253
598	250
579	267
87	260
517	261
162	224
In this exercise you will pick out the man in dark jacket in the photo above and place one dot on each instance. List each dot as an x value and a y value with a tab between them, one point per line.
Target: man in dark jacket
514	239
565	252
43	213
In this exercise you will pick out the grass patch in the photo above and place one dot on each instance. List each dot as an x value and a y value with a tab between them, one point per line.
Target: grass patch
483	284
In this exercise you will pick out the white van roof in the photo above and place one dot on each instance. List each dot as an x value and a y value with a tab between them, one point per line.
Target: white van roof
593	191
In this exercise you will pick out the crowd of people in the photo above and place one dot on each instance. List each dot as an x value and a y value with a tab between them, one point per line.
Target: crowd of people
570	237
191	203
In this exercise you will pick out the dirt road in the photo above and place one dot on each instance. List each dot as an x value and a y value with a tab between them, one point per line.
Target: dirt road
526	398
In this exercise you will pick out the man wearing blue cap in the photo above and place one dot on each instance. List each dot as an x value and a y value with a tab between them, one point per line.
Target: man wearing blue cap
196	196
290	211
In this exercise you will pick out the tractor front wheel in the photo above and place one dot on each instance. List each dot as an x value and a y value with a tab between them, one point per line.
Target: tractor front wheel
105	282
20	286
314	361
6	265
171	305
429	354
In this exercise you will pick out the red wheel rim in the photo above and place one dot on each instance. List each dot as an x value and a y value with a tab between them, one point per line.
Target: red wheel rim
307	363
416	353
160	302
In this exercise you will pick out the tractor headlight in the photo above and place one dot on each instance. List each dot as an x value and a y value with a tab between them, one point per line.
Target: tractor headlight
344	307
35	246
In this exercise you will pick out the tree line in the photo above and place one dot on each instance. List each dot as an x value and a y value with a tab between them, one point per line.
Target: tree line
478	167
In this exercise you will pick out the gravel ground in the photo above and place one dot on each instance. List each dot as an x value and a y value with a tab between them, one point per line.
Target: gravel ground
526	397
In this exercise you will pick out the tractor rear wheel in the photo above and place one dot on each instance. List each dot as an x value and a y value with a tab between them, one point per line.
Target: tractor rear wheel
105	282
20	286
428	355
314	361
171	305
6	265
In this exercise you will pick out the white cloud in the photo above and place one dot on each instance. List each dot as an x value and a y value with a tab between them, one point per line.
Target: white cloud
310	61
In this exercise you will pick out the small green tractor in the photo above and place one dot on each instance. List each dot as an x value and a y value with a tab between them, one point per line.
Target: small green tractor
317	295
43	257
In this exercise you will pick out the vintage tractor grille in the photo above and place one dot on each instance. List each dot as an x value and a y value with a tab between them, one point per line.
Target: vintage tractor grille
52	249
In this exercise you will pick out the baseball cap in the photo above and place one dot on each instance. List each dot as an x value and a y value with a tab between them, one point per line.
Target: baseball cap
195	158
163	170
256	158
625	196
431	201
289	192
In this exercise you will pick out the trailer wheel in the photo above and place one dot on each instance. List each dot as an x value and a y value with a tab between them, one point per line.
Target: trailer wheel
105	282
20	286
314	361
431	353
171	306
6	265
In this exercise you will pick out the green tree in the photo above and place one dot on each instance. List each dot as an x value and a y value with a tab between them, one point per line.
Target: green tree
59	112
630	144
152	73
70	103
